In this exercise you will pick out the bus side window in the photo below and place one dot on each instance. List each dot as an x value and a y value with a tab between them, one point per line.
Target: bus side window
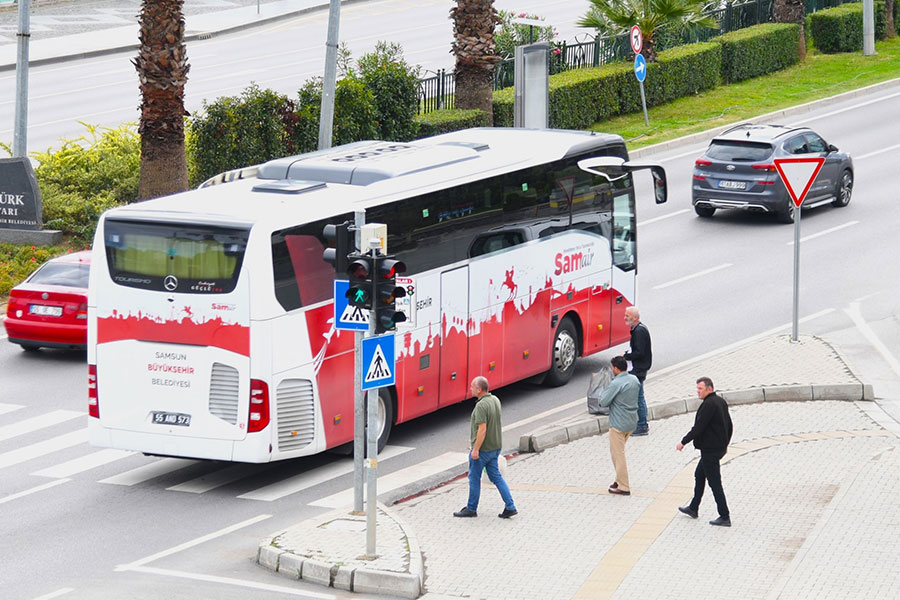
624	233
314	276
493	242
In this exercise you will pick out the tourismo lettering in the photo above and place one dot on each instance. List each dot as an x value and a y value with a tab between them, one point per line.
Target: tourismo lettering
567	263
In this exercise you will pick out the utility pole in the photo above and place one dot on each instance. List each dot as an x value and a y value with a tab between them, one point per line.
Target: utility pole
868	27
20	133
326	114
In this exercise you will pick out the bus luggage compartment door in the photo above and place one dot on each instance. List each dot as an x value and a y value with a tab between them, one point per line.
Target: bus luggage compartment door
454	383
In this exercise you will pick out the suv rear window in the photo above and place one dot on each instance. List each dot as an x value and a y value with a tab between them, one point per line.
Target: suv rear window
170	257
60	273
738	151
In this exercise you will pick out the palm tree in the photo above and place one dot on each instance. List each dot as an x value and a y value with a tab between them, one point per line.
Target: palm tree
162	69
473	45
616	17
792	11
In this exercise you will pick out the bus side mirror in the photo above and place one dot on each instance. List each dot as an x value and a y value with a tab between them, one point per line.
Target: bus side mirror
660	189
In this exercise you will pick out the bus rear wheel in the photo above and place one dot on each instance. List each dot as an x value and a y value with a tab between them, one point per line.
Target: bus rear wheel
565	351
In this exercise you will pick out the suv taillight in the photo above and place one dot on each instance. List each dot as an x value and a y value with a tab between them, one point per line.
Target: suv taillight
259	406
768	167
93	400
702	162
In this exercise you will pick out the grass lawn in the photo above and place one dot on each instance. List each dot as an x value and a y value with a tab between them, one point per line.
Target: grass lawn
819	76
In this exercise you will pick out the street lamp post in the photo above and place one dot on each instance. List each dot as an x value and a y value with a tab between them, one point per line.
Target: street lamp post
20	133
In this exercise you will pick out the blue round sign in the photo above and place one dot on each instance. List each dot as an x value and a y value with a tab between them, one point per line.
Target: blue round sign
640	67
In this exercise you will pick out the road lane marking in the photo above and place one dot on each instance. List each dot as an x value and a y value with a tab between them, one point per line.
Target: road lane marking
843	110
693	276
546	413
211	481
231	581
84	463
877	152
398	479
40	488
6	408
38	422
148	472
56	594
661	217
694	152
20	455
190	544
314	477
825	232
855	315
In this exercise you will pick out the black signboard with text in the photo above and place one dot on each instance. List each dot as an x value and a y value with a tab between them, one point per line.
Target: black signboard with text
20	197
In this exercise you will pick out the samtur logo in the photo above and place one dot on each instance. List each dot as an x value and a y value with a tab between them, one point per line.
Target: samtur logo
572	261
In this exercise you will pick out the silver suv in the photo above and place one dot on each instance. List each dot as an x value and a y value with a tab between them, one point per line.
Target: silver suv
738	171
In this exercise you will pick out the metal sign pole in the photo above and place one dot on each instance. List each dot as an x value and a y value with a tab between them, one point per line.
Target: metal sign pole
372	437
359	400
644	105
20	134
796	271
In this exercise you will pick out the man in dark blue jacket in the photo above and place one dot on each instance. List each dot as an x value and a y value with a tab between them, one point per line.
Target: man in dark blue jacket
641	356
711	435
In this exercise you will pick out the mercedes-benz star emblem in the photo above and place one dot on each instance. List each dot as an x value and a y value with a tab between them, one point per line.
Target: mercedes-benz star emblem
170	282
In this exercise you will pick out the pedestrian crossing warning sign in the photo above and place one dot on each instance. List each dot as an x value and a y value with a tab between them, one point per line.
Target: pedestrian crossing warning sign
378	362
347	316
354	314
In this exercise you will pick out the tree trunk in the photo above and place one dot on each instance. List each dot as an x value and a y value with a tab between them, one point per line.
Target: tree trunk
473	46
890	30
792	11
474	89
162	69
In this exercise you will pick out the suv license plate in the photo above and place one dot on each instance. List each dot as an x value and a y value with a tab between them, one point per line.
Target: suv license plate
48	311
167	418
733	185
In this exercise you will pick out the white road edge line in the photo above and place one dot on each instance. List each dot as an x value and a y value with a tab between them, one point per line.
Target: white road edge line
877	152
56	594
33	490
546	413
660	218
843	110
231	581
825	232
192	543
693	276
856	316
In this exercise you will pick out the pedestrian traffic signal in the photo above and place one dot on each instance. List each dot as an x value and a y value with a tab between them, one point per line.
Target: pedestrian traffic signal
387	292
341	239
361	290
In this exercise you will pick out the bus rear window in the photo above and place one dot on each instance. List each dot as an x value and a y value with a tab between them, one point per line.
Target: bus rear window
170	257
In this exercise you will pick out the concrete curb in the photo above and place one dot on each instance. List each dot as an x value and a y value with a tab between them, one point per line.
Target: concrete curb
408	584
556	435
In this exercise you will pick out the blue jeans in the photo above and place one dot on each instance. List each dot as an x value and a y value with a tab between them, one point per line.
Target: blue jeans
642	409
487	460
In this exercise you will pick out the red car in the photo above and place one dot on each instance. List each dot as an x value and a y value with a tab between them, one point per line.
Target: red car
49	308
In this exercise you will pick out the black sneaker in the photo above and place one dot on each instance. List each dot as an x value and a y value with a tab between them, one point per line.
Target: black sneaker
641	431
508	513
465	512
688	511
721	522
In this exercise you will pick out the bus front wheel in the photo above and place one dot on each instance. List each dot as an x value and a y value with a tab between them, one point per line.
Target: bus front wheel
385	417
565	351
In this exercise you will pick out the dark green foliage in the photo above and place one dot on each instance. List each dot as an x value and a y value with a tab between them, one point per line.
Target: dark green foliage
758	50
581	97
355	116
395	86
840	29
443	121
238	131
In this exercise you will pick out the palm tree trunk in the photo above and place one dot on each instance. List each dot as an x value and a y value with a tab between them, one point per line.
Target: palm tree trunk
473	45
792	11
891	31
162	69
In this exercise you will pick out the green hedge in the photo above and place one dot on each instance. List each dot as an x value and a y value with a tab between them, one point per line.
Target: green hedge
581	97
840	29
758	50
444	121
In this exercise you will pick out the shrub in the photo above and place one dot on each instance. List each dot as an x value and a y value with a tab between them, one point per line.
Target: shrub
840	29
18	262
508	35
395	86
355	116
443	121
758	50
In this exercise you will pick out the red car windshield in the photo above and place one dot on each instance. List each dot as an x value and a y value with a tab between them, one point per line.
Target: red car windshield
60	273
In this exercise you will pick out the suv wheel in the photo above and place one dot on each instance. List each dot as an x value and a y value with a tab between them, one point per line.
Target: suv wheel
844	189
787	216
704	211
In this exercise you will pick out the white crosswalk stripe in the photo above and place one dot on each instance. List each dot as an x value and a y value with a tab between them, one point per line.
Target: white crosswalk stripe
216	479
20	455
312	478
6	408
144	473
38	422
84	463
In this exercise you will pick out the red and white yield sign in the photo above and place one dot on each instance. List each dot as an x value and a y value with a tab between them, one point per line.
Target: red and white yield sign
798	175
637	39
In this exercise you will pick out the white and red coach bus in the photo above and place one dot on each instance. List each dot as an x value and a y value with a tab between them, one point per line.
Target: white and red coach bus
210	321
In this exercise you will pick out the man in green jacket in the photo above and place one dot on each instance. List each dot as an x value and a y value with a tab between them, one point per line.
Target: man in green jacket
621	396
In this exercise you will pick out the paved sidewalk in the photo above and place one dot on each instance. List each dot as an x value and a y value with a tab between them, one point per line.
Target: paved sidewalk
812	487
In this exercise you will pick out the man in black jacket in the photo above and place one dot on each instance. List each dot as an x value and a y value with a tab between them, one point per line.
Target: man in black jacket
641	356
711	435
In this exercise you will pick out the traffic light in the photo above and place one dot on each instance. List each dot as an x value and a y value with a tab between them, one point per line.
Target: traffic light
341	238
387	292
359	272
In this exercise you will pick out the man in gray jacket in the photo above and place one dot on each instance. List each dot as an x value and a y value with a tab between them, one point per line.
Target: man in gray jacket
621	396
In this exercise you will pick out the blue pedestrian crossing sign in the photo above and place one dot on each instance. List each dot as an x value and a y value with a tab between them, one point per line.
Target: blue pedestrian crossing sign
378	364
347	316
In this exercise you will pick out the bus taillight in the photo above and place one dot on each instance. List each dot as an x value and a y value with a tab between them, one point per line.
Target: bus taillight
259	406
93	401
